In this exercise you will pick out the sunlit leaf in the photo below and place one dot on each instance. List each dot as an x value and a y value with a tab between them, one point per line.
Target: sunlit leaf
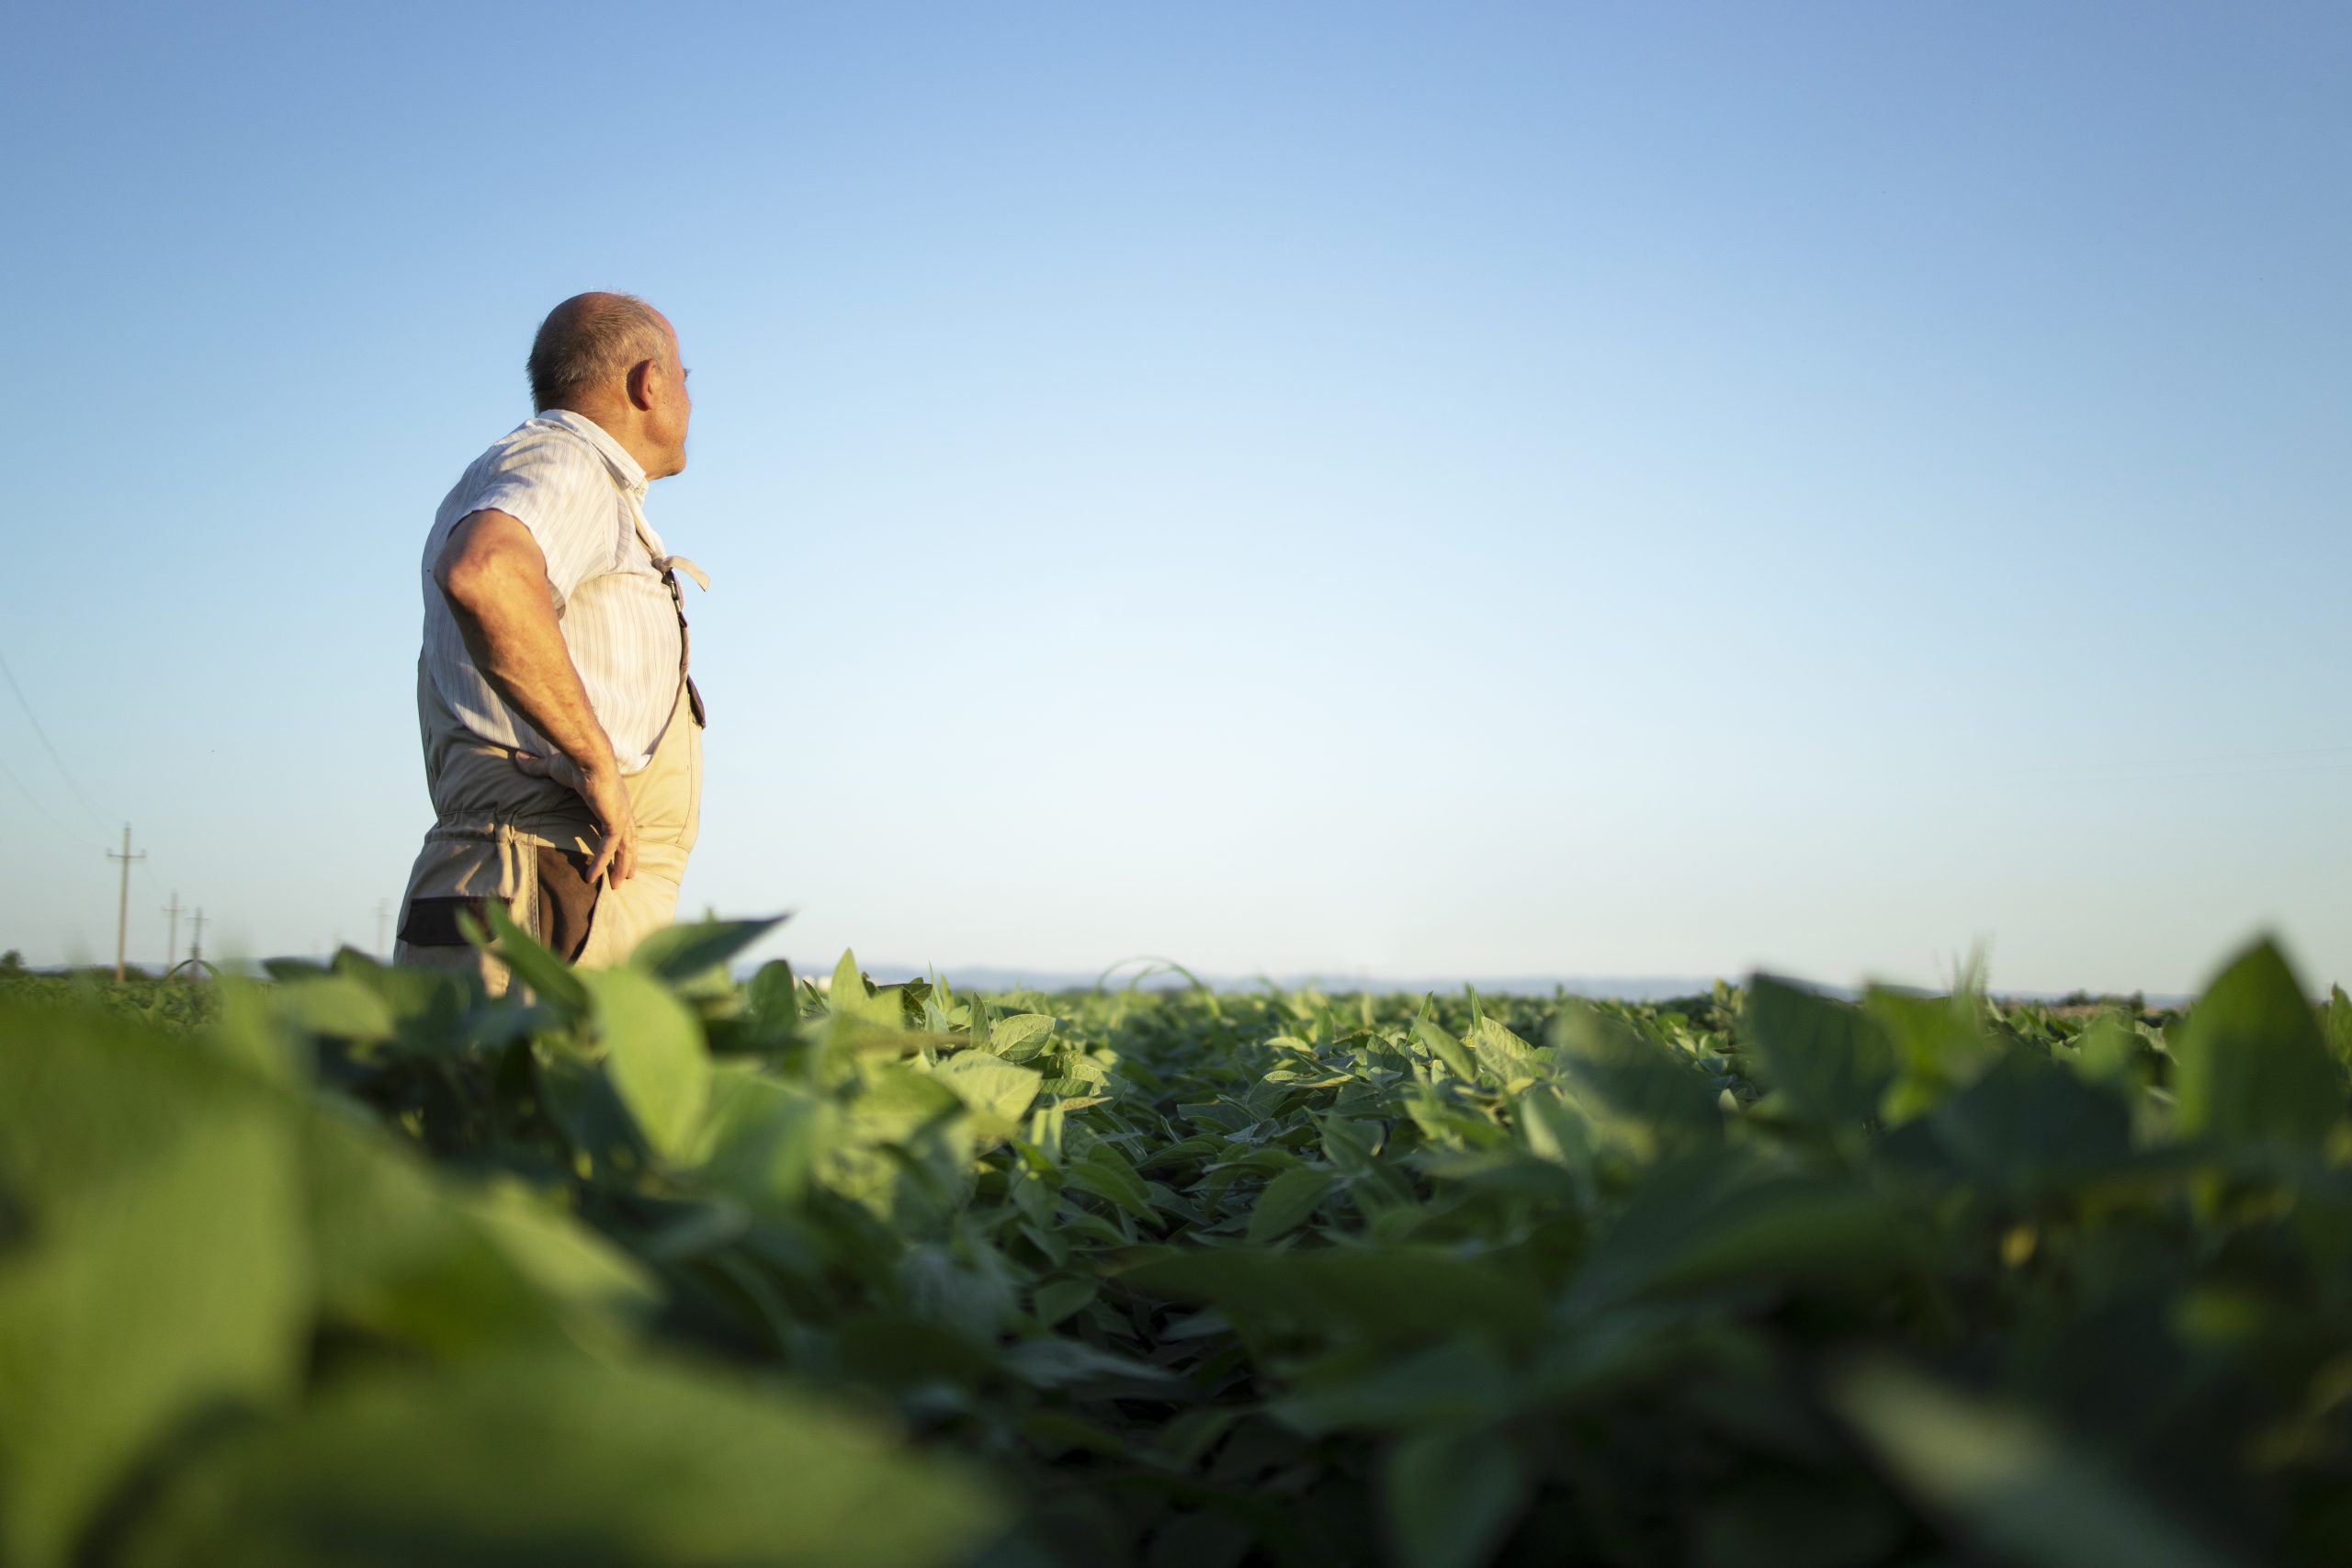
554	981
1019	1037
653	1055
998	1092
681	952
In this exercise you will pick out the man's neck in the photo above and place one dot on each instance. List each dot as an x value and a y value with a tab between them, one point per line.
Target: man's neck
616	421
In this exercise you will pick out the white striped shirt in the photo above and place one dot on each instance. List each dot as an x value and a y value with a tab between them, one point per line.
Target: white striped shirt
582	497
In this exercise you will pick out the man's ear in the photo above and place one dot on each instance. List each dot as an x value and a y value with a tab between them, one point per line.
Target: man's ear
641	378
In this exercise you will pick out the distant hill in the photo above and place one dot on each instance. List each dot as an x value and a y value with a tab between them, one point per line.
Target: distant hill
1604	987
997	978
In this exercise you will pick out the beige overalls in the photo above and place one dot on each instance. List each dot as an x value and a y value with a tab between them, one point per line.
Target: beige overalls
502	834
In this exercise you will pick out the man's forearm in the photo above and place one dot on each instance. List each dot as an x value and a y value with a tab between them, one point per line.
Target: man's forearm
510	628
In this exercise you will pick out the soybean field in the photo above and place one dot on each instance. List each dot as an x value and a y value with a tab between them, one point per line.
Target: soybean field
650	1265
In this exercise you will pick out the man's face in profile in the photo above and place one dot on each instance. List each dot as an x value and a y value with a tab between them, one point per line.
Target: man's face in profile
673	408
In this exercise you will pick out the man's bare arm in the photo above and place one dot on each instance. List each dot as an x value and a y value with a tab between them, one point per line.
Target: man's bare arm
495	580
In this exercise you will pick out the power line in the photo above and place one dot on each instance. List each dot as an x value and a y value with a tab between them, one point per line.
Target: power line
63	772
62	831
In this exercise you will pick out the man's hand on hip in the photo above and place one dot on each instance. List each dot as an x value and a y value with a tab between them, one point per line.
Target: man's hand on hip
607	797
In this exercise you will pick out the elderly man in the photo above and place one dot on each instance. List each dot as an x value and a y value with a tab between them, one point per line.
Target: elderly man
562	735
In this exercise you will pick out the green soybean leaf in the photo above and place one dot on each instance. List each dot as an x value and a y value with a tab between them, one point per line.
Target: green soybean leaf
157	1272
2109	1052
1640	1081
2339	1024
2029	1125
1109	1176
1506	1057
1454	1383
555	982
1056	1299
1939	1044
1831	1060
2253	1066
1060	1363
653	1055
1714	1220
1446	1049
1452	1497
1556	1130
551	1248
423	1005
404	1257
772	998
765	1137
1019	1037
848	983
636	1465
682	953
998	1092
580	1097
333	1005
971	1295
2026	1493
1288	1199
1395	1294
848	999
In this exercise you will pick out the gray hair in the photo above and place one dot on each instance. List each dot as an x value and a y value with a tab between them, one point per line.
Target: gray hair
590	340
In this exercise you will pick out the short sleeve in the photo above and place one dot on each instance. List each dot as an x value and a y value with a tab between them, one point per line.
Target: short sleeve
559	490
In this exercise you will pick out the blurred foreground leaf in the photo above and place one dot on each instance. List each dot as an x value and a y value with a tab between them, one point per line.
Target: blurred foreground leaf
1829	1058
2253	1067
162	1277
560	1459
653	1054
2006	1479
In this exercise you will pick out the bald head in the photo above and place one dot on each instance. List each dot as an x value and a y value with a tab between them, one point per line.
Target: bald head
589	343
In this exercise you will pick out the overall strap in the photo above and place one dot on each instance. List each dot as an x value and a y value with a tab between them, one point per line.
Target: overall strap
669	566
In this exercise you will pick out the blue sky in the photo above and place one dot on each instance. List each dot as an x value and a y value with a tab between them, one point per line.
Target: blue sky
1373	490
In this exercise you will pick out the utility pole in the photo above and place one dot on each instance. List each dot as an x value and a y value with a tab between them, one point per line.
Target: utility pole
196	948
172	943
123	909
